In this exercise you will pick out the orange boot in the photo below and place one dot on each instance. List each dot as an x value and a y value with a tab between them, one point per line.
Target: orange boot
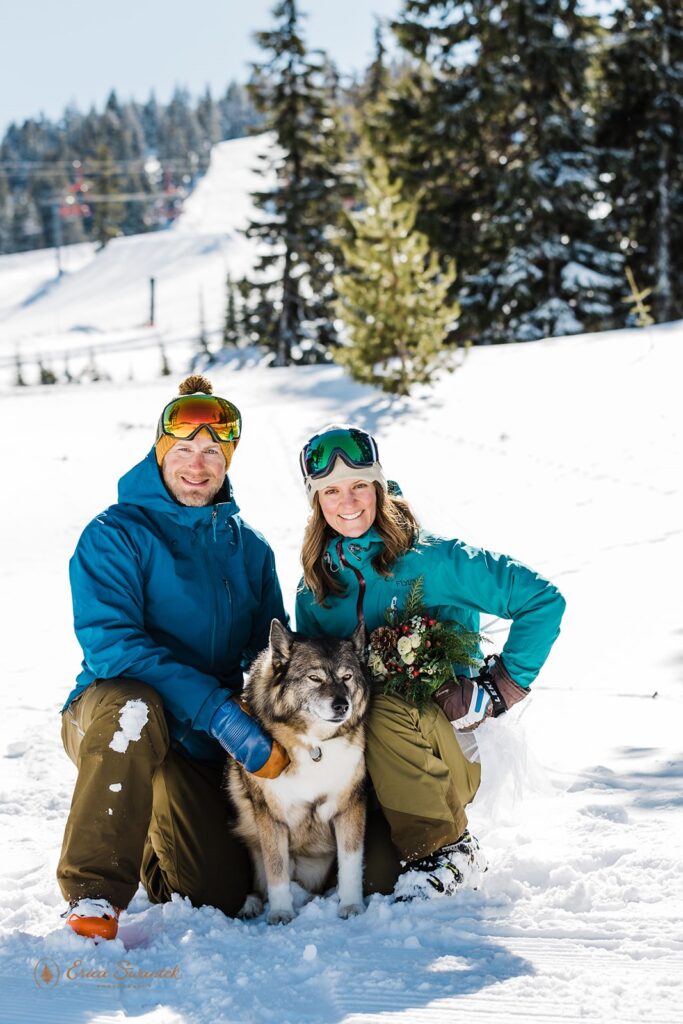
95	919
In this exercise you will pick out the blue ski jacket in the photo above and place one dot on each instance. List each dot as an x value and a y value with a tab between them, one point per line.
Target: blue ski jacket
177	597
460	583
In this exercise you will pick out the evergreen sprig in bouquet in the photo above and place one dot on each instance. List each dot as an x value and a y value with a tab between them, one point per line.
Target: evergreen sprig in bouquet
413	654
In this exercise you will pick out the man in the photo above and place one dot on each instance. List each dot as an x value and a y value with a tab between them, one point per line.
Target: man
173	595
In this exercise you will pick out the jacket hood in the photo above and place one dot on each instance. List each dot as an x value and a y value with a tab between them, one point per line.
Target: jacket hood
143	486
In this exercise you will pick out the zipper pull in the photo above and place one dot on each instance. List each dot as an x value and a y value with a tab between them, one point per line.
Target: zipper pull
332	566
214	520
393	611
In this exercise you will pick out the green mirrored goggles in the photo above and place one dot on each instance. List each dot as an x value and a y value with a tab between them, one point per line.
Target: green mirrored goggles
354	446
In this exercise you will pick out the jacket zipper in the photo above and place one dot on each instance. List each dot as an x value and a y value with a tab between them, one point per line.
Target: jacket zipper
230	614
214	624
359	576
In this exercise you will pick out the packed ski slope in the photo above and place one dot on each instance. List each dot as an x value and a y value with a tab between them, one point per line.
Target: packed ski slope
565	453
102	300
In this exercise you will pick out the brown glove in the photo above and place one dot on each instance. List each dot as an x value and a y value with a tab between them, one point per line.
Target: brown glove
503	687
276	763
469	702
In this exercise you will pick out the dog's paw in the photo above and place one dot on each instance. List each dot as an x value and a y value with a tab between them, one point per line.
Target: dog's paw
282	916
346	910
252	907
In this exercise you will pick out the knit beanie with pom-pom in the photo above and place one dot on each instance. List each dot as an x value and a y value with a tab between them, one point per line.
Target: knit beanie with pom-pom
195	384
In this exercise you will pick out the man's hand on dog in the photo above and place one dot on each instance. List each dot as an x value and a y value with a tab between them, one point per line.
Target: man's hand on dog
242	737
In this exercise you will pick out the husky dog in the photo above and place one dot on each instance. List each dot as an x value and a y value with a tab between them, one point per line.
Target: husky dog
312	695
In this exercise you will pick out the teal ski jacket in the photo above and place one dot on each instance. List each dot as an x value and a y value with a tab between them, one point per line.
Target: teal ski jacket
177	597
460	583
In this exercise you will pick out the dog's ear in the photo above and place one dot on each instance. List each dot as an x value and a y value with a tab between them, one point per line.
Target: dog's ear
280	641
359	640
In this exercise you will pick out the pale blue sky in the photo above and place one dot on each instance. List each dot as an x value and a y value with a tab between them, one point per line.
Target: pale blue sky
54	52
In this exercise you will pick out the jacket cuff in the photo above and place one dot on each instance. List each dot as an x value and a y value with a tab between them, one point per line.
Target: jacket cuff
202	720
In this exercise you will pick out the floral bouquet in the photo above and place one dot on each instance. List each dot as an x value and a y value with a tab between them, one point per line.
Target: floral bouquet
413	654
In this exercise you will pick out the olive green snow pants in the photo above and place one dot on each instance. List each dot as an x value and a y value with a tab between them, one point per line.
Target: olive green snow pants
144	812
420	776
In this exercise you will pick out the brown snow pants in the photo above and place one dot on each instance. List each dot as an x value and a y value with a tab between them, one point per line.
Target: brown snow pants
145	814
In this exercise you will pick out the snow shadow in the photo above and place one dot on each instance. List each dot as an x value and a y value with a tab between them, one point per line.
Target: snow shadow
46	288
655	784
346	401
318	970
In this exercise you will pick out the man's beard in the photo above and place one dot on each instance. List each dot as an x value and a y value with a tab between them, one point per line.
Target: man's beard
193	498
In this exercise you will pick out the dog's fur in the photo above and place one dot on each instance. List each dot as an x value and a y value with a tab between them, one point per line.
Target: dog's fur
307	693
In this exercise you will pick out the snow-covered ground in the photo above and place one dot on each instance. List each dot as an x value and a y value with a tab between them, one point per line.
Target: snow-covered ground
564	453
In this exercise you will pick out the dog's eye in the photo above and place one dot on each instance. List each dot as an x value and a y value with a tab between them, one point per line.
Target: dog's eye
314	678
346	677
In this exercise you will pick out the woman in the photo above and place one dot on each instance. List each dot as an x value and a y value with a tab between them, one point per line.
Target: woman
363	550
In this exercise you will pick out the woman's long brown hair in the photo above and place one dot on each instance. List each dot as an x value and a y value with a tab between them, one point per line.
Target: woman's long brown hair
395	522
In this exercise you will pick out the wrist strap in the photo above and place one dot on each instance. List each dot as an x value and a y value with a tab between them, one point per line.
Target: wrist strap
498	705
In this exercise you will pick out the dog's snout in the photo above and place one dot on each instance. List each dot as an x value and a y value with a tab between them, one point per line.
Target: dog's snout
340	705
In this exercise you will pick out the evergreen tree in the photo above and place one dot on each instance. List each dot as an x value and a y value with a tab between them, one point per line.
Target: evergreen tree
110	129
231	332
47	376
377	77
640	131
436	112
252	310
300	212
165	366
209	118
26	225
19	375
5	215
558	274
109	212
204	352
366	101
133	136
505	138
149	119
393	295
180	132
91	370
238	115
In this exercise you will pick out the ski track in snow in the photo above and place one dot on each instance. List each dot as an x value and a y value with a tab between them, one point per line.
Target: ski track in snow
563	453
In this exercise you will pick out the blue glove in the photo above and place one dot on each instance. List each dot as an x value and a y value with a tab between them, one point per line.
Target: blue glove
241	735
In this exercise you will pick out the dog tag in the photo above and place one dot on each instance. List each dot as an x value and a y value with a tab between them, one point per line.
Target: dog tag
316	753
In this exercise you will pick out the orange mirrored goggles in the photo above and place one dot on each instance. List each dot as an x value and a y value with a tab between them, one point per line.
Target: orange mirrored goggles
184	417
